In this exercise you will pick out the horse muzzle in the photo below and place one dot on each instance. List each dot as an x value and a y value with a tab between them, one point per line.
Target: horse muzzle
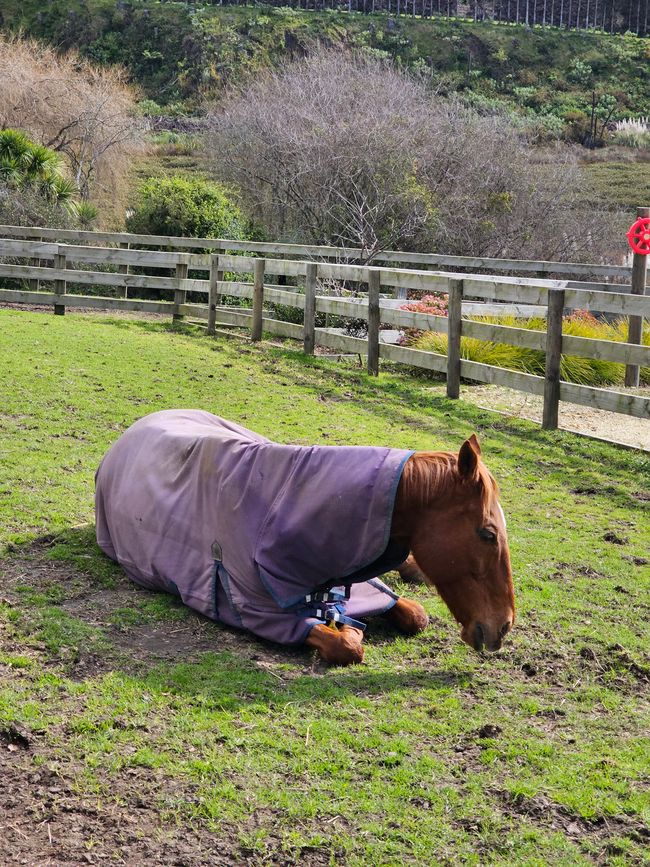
483	637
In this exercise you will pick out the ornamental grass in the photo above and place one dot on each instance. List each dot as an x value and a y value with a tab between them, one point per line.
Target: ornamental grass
583	371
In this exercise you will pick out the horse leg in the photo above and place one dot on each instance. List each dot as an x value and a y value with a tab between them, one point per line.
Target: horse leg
410	571
341	646
407	616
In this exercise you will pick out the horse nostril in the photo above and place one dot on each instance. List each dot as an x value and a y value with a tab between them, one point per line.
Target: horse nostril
479	637
505	629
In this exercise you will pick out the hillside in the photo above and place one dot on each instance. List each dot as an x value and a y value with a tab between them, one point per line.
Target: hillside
180	53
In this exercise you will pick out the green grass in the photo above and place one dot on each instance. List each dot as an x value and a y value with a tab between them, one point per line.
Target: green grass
387	763
622	184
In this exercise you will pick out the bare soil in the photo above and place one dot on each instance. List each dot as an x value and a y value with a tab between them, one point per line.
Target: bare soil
46	823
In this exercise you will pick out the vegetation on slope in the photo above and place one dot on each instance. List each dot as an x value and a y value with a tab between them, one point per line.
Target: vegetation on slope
177	51
82	111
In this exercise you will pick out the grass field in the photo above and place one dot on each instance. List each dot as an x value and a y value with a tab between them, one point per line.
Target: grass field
134	732
623	183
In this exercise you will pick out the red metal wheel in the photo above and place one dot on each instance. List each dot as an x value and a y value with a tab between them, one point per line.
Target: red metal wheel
639	236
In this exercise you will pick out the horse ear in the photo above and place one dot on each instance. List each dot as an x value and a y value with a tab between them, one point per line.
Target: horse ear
468	457
473	440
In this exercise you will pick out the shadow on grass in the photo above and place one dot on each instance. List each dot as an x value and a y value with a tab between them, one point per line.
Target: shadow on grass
224	679
573	461
89	619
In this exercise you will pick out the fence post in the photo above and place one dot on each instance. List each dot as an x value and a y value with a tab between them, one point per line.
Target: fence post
34	283
214	296
309	324
59	285
124	269
454	330
635	326
259	266
180	295
374	284
35	262
553	358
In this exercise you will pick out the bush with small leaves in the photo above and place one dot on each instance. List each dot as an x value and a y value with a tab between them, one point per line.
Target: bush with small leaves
181	206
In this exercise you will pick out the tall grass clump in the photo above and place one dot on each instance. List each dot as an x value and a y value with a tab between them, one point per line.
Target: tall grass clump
583	371
633	133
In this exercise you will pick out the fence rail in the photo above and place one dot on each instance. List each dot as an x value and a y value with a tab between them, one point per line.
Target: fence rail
246	277
317	252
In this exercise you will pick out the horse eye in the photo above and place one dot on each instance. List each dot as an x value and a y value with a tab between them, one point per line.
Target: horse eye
486	534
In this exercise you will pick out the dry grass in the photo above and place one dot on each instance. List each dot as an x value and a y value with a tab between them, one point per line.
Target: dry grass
85	112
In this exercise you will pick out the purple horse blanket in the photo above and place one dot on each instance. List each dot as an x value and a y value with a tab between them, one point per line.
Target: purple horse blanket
262	536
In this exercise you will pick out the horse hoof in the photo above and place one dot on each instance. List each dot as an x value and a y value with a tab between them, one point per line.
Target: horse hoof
408	616
337	646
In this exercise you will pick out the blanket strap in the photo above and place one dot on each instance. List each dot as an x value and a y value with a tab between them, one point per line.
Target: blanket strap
334	613
334	594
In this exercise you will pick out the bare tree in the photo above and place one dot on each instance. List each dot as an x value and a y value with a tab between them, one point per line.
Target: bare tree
349	151
83	111
318	151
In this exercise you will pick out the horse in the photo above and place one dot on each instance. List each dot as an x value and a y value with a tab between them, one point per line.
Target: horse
288	542
448	514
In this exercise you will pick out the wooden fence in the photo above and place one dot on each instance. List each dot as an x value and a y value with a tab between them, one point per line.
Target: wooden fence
247	277
314	252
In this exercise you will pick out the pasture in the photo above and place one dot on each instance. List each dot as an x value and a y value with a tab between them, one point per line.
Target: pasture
132	731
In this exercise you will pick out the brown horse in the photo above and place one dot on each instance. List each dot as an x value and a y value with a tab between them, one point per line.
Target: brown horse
448	514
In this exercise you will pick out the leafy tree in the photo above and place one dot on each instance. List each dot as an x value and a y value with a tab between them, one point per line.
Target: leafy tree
184	206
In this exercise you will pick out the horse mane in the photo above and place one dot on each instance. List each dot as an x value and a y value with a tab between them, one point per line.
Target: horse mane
433	475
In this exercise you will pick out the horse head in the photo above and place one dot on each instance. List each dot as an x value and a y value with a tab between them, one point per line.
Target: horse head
448	512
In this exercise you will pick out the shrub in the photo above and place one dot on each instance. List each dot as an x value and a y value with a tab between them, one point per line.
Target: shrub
84	112
26	164
634	133
435	304
34	190
27	207
185	206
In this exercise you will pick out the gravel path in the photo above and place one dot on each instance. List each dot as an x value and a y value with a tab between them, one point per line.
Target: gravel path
611	426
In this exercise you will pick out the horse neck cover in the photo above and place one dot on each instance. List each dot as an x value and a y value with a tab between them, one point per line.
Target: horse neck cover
181	487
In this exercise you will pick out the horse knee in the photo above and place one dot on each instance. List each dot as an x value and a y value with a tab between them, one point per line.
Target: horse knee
410	571
408	616
337	646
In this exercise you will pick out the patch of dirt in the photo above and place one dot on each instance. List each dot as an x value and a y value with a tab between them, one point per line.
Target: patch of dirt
615	539
87	311
44	820
598	423
567	571
46	823
138	645
554	816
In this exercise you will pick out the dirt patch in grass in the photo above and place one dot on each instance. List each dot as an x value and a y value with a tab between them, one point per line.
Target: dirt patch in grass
132	635
45	822
542	811
132	817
